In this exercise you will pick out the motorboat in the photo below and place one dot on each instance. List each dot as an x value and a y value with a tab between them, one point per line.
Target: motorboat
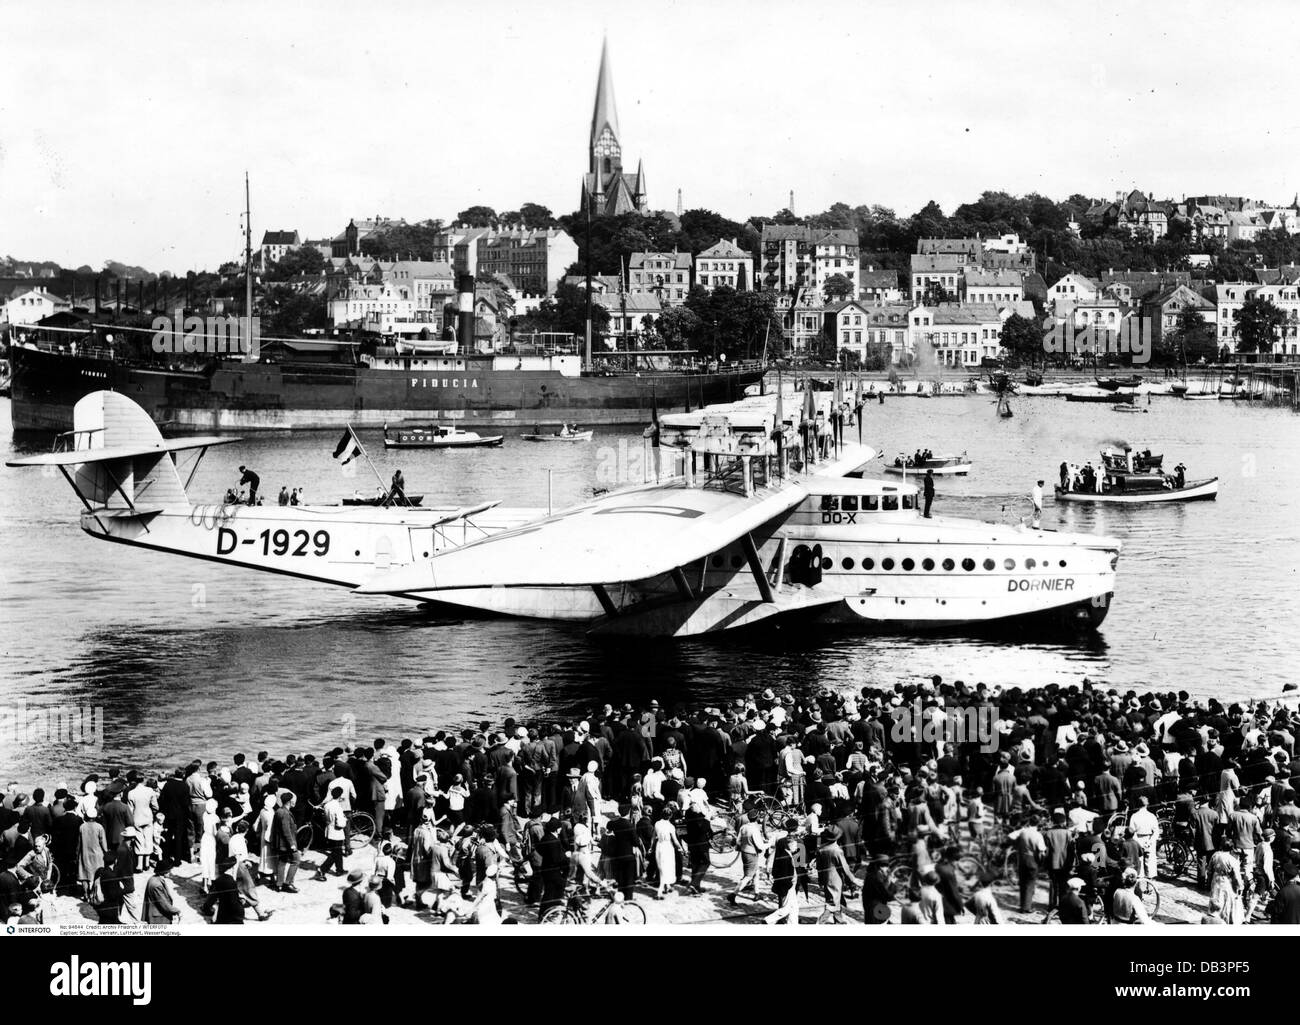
569	432
943	465
1100	395
1129	477
437	436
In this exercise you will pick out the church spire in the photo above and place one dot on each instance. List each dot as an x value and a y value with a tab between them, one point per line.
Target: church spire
604	115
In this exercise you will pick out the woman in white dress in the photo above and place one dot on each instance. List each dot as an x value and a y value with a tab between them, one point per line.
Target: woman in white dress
208	845
1226	886
265	820
667	845
484	909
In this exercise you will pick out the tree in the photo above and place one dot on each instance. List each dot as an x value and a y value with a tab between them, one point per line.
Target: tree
303	260
534	215
1022	339
404	241
288	314
678	326
836	287
1192	340
477	217
935	294
1257	325
567	312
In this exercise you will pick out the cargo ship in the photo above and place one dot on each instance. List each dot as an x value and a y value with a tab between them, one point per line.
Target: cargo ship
287	390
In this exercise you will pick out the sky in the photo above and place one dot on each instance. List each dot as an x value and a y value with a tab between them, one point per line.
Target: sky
126	129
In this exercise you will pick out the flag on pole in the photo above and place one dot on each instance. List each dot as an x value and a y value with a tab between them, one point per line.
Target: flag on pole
349	444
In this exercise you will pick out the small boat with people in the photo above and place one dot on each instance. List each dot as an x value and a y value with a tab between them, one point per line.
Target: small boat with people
1129	477
434	435
945	464
383	499
1116	383
569	432
1101	395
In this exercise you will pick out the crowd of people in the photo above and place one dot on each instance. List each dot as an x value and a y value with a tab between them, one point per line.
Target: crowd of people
1076	782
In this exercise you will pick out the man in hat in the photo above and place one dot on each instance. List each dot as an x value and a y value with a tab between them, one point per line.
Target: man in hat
789	853
1286	905
222	902
354	897
159	907
835	876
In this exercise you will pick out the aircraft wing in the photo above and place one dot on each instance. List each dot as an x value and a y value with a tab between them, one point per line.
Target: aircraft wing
104	455
628	536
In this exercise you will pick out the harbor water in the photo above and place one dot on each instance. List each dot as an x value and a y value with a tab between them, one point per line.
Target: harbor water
189	659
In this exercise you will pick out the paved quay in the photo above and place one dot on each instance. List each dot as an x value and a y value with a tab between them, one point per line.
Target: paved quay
1180	903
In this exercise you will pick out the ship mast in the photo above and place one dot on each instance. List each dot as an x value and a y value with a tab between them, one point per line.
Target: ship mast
248	255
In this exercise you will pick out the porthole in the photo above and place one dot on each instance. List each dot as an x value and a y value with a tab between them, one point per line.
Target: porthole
736	562
948	564
927	564
717	561
868	564
1030	564
968	565
1062	564
847	563
1010	564
909	565
886	564
989	564
358	553
827	563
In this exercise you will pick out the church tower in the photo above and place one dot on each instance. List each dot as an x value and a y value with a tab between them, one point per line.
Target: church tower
605	186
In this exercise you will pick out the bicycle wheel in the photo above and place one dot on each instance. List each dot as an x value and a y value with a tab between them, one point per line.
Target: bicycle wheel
361	828
1149	895
900	879
1174	855
969	872
305	836
723	851
633	912
559	916
52	880
1011	868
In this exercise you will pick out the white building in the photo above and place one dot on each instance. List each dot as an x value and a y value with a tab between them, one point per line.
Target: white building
1069	291
796	255
725	263
1231	296
28	305
993	286
359	302
666	276
958	335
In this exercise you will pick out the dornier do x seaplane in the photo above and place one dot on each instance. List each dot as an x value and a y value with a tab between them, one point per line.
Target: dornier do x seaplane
747	523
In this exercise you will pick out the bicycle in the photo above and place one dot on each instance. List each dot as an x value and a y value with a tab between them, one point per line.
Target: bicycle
577	909
359	830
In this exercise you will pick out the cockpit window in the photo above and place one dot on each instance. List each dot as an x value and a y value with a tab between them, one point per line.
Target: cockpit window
909	501
830	503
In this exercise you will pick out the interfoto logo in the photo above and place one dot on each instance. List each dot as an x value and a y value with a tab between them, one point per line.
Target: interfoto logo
916	724
1132	337
73	725
210	335
75	978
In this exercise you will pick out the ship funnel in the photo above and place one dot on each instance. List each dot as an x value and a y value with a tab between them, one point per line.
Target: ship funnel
465	312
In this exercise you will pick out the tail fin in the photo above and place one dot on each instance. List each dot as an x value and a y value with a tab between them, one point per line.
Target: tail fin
115	458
